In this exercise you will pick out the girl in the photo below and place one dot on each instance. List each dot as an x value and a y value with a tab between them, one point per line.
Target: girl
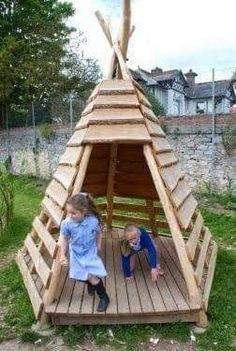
137	239
81	231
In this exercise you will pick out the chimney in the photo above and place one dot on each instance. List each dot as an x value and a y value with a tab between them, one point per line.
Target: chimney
156	70
191	78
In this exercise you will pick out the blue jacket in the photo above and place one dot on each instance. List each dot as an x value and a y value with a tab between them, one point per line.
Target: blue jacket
145	243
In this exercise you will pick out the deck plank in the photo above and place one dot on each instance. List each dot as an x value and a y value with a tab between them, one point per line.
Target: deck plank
110	279
63	304
76	299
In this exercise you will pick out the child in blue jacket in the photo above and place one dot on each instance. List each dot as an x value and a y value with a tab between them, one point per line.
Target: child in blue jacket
135	240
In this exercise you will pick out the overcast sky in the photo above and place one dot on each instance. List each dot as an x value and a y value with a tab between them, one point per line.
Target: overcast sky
170	34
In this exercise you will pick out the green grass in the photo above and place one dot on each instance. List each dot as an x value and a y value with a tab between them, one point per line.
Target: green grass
26	206
18	315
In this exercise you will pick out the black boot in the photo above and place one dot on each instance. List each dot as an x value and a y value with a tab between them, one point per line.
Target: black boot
104	298
90	288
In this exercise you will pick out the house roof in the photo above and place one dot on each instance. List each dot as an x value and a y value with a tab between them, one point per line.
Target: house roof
154	77
204	90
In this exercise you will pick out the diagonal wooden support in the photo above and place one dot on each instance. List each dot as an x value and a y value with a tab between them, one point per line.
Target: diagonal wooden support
186	266
110	186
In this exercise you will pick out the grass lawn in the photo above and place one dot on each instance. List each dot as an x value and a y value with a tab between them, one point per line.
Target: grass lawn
16	315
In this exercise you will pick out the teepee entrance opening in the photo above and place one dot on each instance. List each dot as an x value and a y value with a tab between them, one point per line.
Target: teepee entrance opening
120	154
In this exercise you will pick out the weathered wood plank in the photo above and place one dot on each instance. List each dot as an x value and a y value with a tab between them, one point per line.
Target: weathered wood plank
34	296
116	86
53	211
186	211
117	115
166	159
110	279
210	276
57	192
148	113
154	292
94	93
72	156
154	128
95	189
129	190
117	133
171	176
110	183
96	178
144	221
40	265
121	290
77	298
135	207
142	98
180	193
82	169
88	108
191	245
202	256
116	101
161	144
65	175
77	137
45	236
66	295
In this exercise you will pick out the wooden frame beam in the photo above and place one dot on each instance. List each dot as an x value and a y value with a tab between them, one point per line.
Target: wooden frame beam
110	185
186	266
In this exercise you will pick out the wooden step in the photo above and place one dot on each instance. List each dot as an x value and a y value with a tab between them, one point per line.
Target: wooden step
118	115
65	175
116	101
53	211
166	159
77	137
116	87
186	211
71	156
191	245
154	128
180	193
45	236
202	256
171	176
160	145
57	192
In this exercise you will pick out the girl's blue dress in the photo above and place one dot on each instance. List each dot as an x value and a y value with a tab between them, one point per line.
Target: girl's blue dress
84	259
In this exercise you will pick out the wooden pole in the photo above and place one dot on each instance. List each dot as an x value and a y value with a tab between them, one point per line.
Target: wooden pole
125	28
82	169
110	185
186	266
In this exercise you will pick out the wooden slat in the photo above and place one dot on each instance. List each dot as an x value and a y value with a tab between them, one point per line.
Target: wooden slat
95	189
210	276
77	137
123	218
202	256
72	156
96	178
171	176
153	290
154	128
56	192
76	298
166	159
34	296
148	113
66	295
117	115
144	180
132	167
110	182
135	208
53	211
102	206
191	245
45	236
160	144
116	101
117	133
129	190
65	175
116	86
99	165
142	98
94	93
180	193
110	279
83	122
40	265
186	211
88	108
82	169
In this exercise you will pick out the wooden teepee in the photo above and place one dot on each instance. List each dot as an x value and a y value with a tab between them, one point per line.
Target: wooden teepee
119	151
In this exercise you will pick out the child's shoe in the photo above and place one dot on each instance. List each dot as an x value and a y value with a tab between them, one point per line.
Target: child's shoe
103	303
91	289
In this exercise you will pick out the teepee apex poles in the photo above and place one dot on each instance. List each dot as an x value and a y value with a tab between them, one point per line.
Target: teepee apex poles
125	27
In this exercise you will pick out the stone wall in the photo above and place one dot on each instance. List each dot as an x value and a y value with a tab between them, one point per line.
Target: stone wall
205	164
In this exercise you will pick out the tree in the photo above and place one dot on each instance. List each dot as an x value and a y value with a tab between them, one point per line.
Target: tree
157	108
33	39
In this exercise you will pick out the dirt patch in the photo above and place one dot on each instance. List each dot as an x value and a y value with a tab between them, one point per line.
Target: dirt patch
7	259
56	344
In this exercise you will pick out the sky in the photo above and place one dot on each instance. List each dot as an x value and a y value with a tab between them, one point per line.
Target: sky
169	34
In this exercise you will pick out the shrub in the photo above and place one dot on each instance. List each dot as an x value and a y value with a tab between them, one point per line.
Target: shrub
6	199
229	139
47	131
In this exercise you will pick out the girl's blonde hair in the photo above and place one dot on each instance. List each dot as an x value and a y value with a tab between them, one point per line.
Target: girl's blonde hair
84	202
125	248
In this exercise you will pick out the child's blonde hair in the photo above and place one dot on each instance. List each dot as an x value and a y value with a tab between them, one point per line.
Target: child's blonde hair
125	248
84	201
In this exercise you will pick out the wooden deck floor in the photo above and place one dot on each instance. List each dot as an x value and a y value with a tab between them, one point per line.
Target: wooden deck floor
140	301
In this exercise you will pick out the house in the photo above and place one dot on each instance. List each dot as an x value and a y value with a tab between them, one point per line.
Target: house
179	94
